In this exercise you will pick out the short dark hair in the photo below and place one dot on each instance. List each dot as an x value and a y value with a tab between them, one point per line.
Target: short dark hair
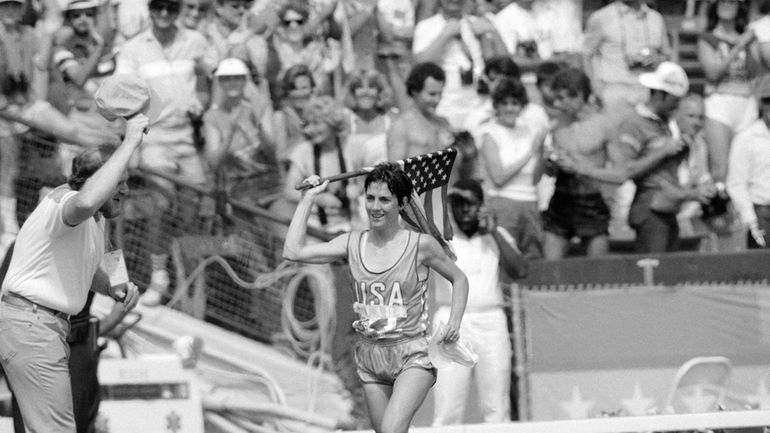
87	162
294	72
421	72
470	184
394	177
509	88
547	70
574	81
503	65
741	19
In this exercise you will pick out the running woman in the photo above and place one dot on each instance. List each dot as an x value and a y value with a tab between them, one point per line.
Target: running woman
390	267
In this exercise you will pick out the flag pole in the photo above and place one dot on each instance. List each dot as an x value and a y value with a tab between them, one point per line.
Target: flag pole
347	175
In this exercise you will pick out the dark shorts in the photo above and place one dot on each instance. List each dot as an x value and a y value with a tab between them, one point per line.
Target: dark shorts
569	215
381	362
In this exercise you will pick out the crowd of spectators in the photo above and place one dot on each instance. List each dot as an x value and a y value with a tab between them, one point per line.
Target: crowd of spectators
581	131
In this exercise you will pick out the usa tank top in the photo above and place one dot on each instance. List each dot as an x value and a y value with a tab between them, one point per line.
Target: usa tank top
391	304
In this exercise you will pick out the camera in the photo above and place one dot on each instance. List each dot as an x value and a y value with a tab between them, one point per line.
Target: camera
527	49
645	59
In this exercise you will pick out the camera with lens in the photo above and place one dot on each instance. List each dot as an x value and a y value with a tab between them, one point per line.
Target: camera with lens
527	49
645	59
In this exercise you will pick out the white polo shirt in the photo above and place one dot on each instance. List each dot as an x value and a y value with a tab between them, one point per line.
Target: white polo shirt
479	258
53	263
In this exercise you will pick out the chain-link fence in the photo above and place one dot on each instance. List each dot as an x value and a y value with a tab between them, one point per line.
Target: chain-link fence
184	229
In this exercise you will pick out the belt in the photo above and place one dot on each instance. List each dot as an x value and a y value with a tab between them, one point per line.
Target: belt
11	298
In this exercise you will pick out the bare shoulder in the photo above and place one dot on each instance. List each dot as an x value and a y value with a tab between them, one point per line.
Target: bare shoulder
429	248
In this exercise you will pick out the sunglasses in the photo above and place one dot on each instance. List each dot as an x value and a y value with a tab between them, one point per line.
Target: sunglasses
239	4
298	21
81	13
171	8
192	7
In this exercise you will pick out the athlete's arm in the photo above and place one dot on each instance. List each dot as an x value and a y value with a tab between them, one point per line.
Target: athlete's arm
296	248
433	256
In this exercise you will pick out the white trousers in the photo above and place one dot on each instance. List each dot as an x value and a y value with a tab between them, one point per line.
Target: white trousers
487	334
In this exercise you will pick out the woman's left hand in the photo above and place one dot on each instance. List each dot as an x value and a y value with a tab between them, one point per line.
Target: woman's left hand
451	332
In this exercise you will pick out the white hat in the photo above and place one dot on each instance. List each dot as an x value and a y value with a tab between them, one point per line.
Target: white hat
76	5
123	95
668	77
231	66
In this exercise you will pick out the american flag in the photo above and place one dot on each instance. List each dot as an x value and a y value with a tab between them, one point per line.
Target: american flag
429	174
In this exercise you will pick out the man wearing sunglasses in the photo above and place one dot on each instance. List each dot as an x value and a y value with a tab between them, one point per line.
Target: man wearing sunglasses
171	59
81	59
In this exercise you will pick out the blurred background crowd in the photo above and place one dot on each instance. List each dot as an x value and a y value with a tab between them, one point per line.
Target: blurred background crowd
595	127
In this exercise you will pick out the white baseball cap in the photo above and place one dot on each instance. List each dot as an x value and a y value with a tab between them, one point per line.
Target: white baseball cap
231	66
81	4
668	77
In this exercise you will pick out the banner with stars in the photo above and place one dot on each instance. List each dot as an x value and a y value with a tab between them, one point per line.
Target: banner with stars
646	350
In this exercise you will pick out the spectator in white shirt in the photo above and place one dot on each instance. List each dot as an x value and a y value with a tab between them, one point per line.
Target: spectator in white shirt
623	39
748	172
459	43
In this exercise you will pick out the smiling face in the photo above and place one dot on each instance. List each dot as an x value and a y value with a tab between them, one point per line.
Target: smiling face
366	96
427	99
163	13
192	13
113	207
292	26
301	92
508	111
381	206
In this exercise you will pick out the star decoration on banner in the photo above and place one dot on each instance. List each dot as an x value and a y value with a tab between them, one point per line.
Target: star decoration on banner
763	396
576	407
638	404
173	422
698	401
429	171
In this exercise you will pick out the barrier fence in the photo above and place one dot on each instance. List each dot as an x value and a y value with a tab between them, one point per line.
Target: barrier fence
194	224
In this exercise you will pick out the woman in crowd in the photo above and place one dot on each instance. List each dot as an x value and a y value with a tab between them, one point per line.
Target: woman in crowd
297	86
727	61
511	154
369	101
295	42
322	154
239	152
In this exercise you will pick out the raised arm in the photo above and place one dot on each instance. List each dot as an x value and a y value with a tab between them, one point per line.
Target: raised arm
101	185
296	247
432	255
398	139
